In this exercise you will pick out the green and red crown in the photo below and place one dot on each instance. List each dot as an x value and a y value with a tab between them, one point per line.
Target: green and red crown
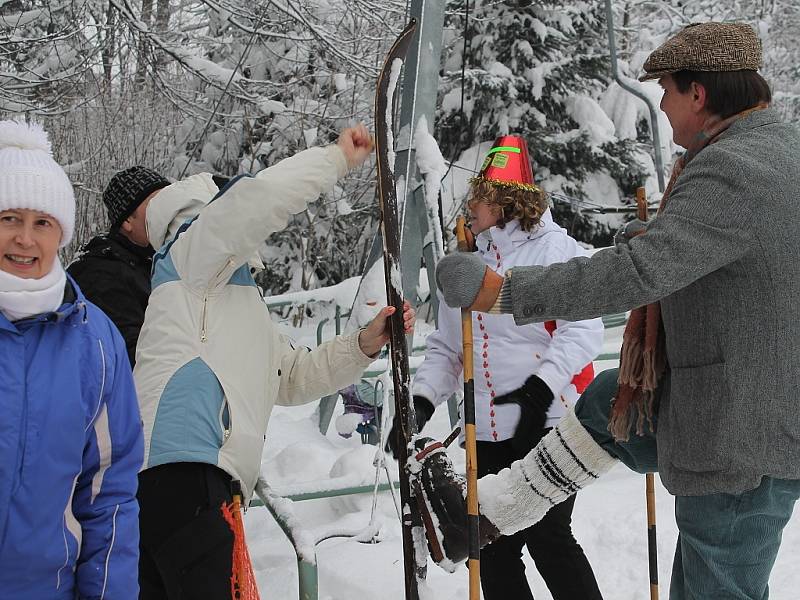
507	165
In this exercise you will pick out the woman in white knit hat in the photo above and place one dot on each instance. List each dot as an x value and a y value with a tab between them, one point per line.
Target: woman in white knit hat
70	436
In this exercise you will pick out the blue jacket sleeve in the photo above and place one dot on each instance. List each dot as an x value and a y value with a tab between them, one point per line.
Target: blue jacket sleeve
105	496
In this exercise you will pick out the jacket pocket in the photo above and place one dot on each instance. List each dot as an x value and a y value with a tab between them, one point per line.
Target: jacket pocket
702	427
225	421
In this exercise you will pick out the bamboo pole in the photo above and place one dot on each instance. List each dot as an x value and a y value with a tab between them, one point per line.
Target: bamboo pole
650	488
473	562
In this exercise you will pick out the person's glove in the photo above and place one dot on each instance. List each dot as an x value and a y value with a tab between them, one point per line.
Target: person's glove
534	398
423	409
466	281
629	231
440	494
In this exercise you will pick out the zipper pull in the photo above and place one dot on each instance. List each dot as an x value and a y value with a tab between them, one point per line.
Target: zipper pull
203	336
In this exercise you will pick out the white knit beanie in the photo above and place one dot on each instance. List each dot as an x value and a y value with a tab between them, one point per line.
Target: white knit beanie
30	177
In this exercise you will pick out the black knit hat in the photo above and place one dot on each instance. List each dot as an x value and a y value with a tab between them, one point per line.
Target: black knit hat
128	189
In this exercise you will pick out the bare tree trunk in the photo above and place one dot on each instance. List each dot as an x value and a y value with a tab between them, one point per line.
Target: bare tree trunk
144	47
162	15
110	45
626	23
162	23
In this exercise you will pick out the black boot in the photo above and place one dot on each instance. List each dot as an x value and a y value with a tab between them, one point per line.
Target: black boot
441	496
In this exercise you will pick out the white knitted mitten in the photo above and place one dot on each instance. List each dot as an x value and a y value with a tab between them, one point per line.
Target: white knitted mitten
565	461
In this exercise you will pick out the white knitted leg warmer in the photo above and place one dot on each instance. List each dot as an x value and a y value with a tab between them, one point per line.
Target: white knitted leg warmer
566	460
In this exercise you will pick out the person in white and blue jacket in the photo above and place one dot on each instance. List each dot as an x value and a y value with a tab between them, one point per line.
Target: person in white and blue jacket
211	364
70	435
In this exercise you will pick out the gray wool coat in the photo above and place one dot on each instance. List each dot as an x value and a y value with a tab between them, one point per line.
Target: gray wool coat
724	259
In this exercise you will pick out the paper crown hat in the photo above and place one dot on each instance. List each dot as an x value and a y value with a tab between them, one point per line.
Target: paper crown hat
507	165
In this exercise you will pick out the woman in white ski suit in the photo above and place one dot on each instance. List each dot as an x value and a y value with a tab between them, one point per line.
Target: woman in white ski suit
560	353
210	364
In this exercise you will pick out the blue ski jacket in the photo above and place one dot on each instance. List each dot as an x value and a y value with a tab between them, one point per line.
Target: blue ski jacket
70	450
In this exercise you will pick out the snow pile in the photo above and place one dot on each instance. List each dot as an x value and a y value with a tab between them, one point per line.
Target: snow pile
626	111
340	294
590	117
346	424
432	166
370	298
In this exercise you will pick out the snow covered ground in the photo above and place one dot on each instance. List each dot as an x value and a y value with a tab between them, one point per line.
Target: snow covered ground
609	521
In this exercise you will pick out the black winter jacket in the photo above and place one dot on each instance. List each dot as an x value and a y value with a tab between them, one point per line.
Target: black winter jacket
114	274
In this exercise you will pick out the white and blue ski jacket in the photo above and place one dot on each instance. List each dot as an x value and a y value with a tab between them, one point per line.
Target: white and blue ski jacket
210	363
70	451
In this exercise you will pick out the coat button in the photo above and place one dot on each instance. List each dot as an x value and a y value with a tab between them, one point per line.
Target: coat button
539	309
279	372
527	312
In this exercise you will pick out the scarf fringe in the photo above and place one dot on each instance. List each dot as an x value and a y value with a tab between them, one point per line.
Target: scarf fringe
642	363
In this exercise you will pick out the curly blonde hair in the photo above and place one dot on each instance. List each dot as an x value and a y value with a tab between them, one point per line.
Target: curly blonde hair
525	205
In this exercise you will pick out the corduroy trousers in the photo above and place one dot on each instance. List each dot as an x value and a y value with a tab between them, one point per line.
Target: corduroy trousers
727	543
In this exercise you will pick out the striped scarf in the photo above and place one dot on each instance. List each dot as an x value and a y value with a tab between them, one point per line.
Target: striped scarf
643	359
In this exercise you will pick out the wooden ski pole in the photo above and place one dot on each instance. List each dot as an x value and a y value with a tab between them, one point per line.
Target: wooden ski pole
473	562
650	488
652	549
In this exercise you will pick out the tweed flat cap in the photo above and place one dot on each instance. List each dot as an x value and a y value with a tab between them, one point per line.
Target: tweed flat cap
706	47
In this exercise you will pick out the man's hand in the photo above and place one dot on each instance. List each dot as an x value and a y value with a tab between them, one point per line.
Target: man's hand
534	398
467	282
356	143
376	335
629	231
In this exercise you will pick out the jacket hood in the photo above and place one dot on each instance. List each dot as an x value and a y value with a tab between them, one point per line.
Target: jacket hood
512	233
175	204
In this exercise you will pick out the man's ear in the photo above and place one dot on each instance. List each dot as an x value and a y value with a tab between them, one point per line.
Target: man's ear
126	225
699	96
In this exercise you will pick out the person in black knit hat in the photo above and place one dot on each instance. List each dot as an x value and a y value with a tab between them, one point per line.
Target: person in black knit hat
113	269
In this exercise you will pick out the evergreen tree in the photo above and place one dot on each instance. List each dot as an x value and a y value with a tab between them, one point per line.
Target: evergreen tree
537	69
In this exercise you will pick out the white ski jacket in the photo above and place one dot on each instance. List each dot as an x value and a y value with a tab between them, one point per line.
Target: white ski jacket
505	354
210	364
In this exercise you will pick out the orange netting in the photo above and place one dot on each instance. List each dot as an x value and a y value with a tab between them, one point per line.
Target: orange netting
243	581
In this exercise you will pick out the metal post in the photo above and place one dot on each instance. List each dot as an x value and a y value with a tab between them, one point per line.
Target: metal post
420	86
639	94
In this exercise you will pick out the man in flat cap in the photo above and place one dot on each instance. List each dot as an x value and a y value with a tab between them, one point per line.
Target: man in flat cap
710	369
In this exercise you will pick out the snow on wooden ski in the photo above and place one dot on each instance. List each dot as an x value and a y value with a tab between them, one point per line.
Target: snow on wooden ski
405	421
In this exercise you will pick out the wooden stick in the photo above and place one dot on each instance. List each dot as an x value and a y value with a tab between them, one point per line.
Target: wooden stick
650	488
641	204
473	563
652	548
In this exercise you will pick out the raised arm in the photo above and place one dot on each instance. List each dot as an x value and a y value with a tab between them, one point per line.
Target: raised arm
229	230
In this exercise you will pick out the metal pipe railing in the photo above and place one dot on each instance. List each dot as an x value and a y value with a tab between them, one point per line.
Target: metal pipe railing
639	94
